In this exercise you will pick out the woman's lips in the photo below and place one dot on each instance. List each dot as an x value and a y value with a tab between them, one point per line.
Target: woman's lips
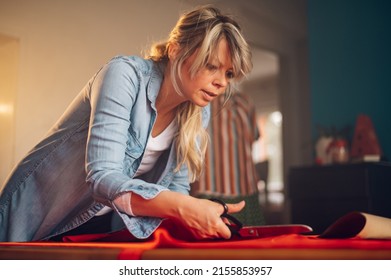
209	95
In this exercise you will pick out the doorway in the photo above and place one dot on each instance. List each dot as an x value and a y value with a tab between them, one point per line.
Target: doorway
9	53
262	86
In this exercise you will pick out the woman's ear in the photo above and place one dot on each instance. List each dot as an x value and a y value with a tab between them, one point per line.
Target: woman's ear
173	50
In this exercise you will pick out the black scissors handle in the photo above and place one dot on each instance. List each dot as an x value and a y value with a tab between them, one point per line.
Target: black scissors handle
235	225
223	204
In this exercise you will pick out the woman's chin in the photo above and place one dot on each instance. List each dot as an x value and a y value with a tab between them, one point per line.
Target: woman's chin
202	103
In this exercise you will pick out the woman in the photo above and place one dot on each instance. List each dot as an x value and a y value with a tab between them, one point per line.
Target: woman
131	142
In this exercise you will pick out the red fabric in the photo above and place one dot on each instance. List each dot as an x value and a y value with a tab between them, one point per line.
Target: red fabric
132	248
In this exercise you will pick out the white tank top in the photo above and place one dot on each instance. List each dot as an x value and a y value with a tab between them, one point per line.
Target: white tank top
155	147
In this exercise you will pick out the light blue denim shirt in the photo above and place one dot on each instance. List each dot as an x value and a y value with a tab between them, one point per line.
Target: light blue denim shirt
90	156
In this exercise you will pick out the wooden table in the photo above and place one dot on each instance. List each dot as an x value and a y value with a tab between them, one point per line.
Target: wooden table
163	246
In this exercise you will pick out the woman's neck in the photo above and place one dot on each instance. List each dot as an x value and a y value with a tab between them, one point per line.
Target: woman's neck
168	99
167	103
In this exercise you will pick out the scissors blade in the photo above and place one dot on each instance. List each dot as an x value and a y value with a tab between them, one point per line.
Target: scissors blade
273	230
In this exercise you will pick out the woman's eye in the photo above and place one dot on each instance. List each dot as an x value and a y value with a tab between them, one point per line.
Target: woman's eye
230	75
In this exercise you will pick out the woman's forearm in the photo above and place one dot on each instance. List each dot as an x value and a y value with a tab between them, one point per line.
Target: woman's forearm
166	204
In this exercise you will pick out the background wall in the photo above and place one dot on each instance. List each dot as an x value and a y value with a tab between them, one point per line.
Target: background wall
350	60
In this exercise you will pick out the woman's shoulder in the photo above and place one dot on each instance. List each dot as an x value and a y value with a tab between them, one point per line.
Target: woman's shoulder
135	62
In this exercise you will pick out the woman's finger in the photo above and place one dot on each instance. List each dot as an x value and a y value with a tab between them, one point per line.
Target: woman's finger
224	231
236	207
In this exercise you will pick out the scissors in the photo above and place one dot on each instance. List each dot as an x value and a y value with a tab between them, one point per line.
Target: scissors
234	224
238	231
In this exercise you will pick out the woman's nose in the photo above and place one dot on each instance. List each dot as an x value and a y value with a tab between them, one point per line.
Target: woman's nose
220	80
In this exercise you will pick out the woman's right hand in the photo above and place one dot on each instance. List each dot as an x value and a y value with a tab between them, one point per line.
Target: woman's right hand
201	217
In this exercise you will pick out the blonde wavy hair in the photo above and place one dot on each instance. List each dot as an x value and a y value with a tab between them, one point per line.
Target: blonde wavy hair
200	30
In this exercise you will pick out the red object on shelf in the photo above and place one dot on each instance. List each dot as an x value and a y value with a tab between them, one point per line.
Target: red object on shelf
365	141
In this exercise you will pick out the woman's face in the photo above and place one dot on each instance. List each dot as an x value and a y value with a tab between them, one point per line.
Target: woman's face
210	81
